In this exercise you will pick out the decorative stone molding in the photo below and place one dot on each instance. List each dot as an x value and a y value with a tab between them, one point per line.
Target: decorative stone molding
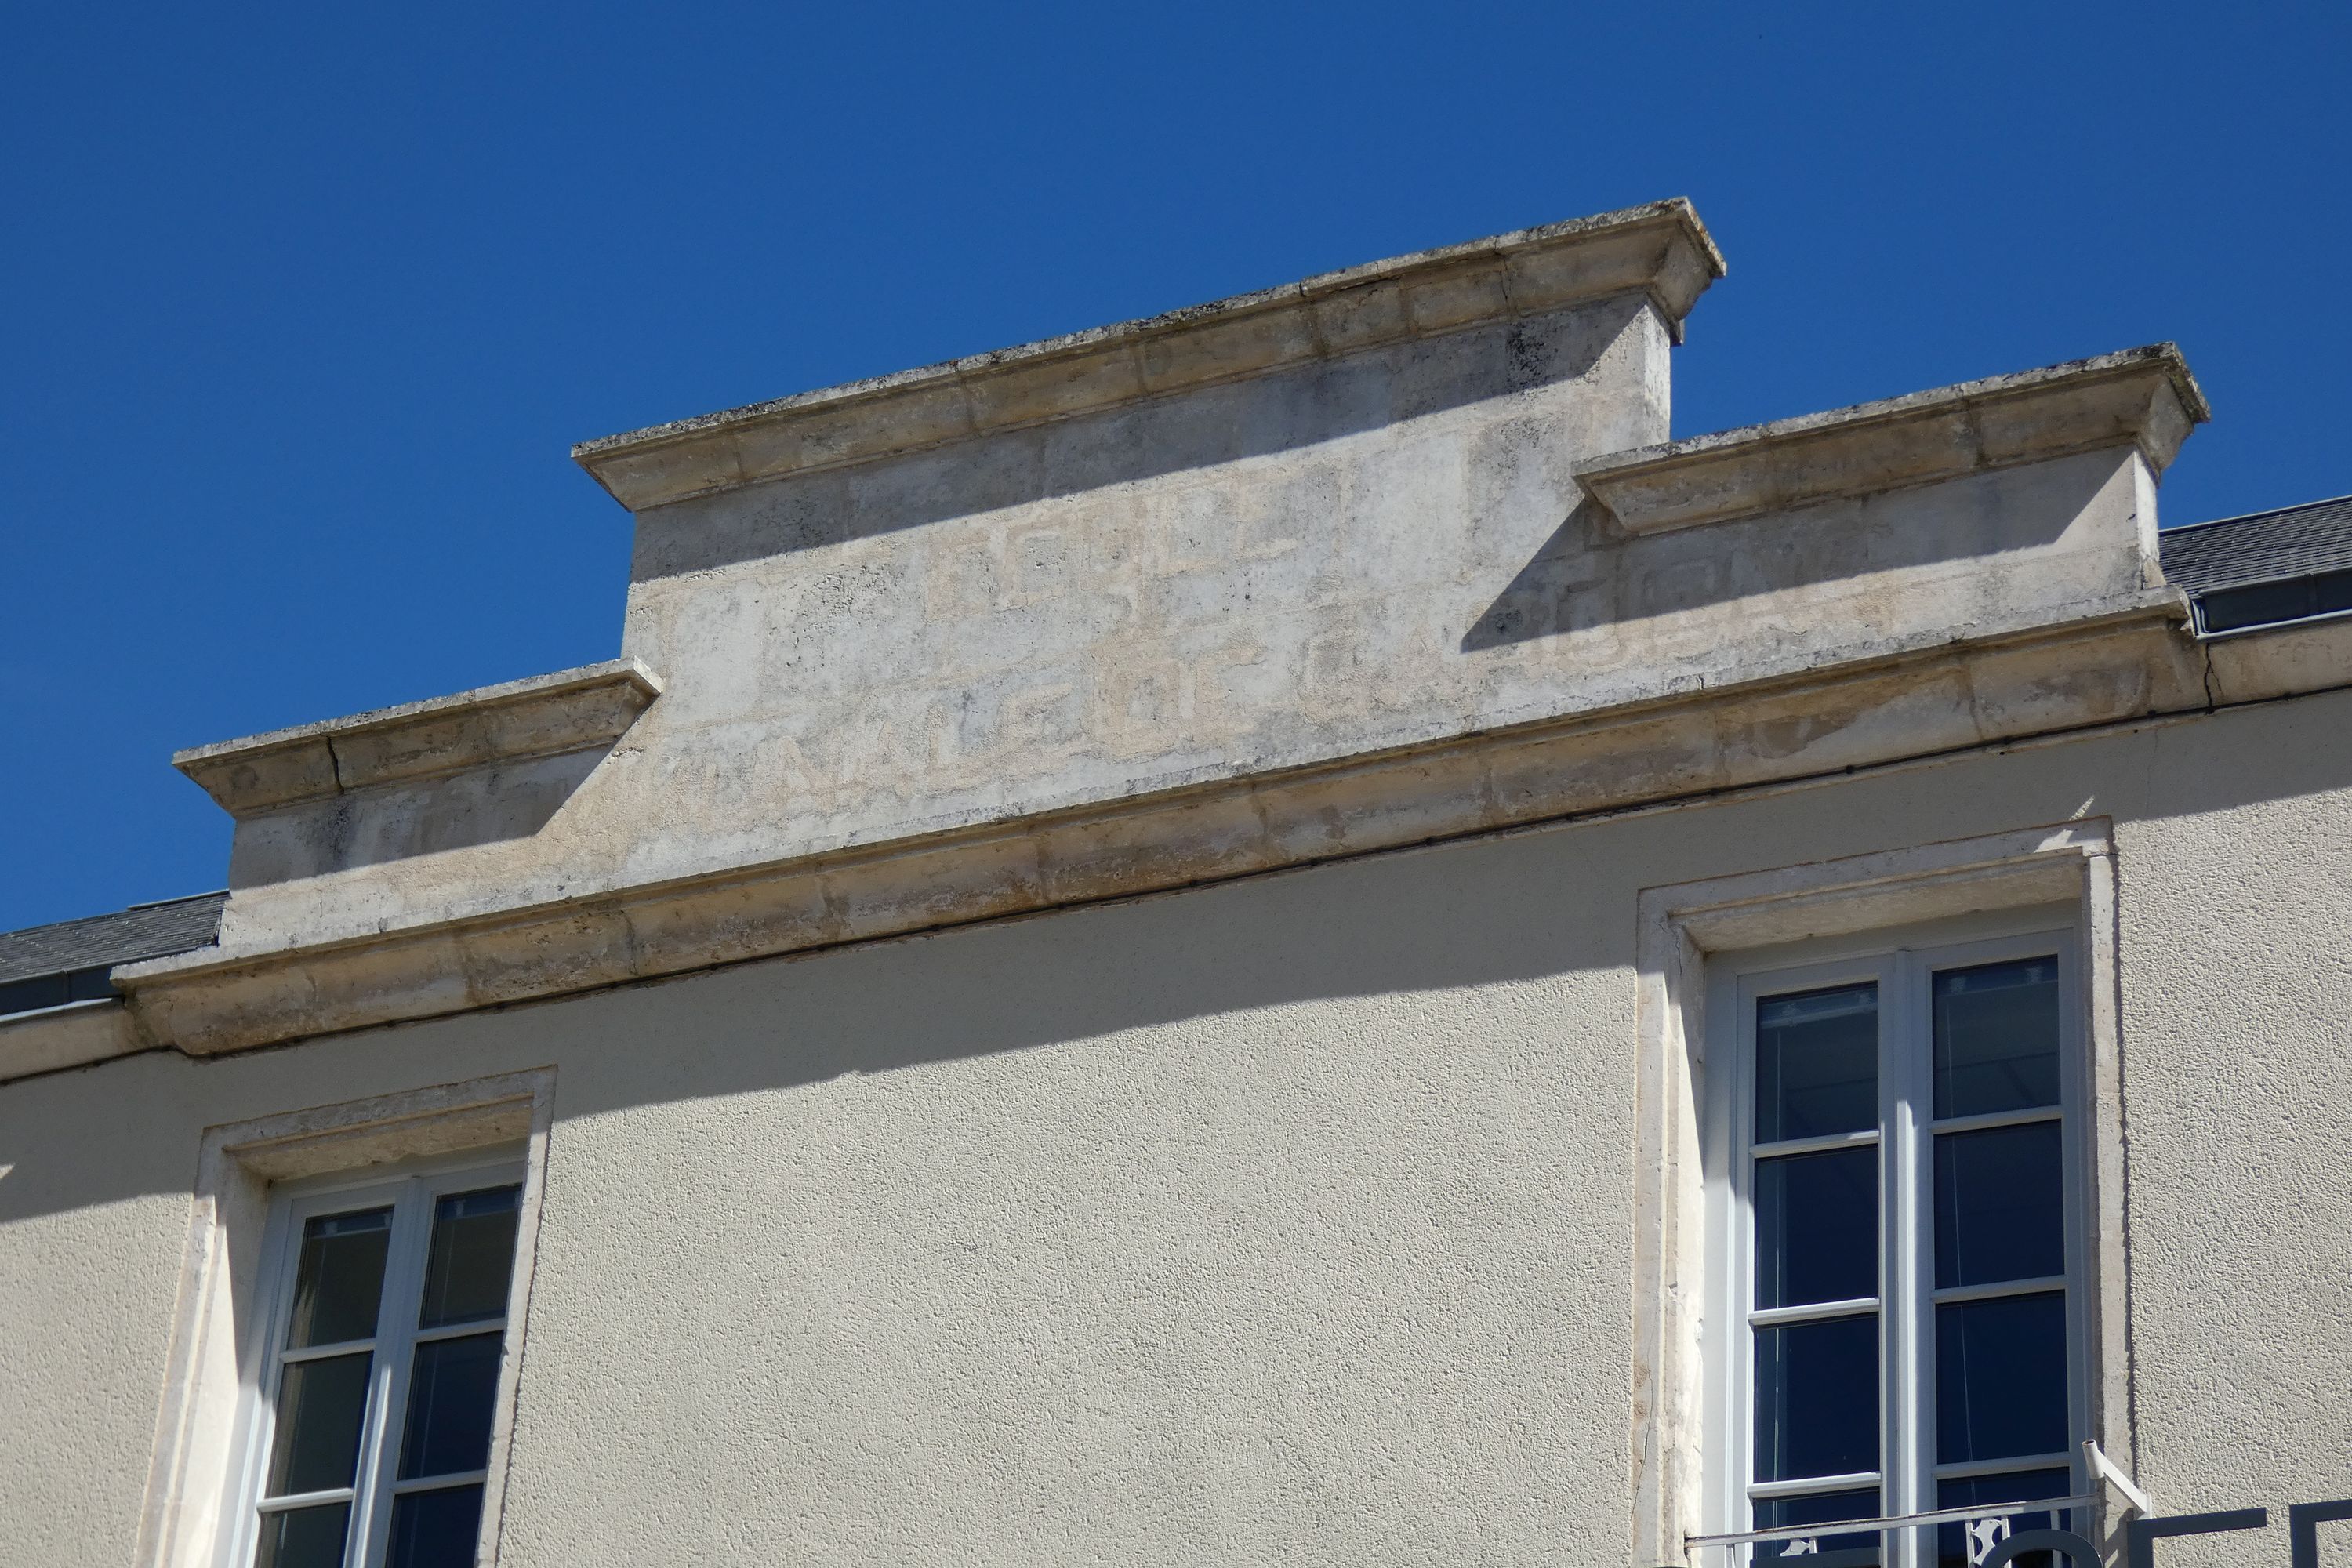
545	715
2133	667
2144	397
2129	666
1678	930
1660	250
207	1365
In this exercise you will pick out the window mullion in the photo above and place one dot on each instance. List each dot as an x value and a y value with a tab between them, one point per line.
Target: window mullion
1911	1436
1968	1467
268	1506
1811	1312
2074	1101
1856	1481
1893	1204
2035	1286
440	1483
1920	1051
286	1358
395	1334
471	1326
1991	1120
1731	1328
1828	1141
284	1249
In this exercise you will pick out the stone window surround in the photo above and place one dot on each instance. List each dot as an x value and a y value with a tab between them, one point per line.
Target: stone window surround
1679	928
209	1361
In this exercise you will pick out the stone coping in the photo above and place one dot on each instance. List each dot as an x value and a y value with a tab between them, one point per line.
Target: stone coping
1661	249
543	715
2144	397
2125	666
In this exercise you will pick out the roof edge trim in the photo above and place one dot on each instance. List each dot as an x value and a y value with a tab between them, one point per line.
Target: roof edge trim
2012	686
544	715
2141	396
1661	249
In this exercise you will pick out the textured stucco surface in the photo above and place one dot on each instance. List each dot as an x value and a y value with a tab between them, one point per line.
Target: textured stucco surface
1255	575
1287	1220
1385	549
2239	1073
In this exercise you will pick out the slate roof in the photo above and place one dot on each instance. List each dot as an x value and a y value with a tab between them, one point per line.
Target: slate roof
146	931
2293	541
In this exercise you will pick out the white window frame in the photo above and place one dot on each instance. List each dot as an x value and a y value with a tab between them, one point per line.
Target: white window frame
1901	960
411	1189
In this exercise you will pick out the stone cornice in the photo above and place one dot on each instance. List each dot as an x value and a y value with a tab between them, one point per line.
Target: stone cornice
542	716
2143	396
2128	665
72	1035
1661	249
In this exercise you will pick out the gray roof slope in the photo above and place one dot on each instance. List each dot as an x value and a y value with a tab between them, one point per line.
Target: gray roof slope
2230	552
147	931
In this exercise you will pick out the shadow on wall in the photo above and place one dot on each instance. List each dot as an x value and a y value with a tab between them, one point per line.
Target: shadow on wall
1586	575
1453	920
1316	404
1589	574
454	811
1536	908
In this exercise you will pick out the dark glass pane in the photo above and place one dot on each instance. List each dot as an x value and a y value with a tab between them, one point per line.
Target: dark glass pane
339	1278
1817	1063
436	1529
450	1395
1954	1546
304	1536
473	1254
2000	1210
1817	1398
1817	1227
320	1404
2000	1377
1997	1037
1815	1508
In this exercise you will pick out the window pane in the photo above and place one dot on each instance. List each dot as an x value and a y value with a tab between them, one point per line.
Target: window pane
1997	1037
338	1278
1998	1206
2000	1377
450	1395
1815	1508
1817	1398
1817	1063
1817	1227
473	1254
319	1407
1954	1549
436	1529
303	1537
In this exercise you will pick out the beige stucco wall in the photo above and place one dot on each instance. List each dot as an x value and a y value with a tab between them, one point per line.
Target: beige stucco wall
2239	1077
1287	1220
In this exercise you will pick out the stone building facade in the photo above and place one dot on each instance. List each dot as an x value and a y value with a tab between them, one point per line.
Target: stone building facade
1278	934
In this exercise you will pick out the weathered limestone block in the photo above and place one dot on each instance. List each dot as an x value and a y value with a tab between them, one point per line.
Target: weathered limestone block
1385	556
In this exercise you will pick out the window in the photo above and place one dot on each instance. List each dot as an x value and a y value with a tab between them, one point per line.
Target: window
370	1433
1899	1244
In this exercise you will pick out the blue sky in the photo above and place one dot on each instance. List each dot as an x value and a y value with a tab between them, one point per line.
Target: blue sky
303	306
